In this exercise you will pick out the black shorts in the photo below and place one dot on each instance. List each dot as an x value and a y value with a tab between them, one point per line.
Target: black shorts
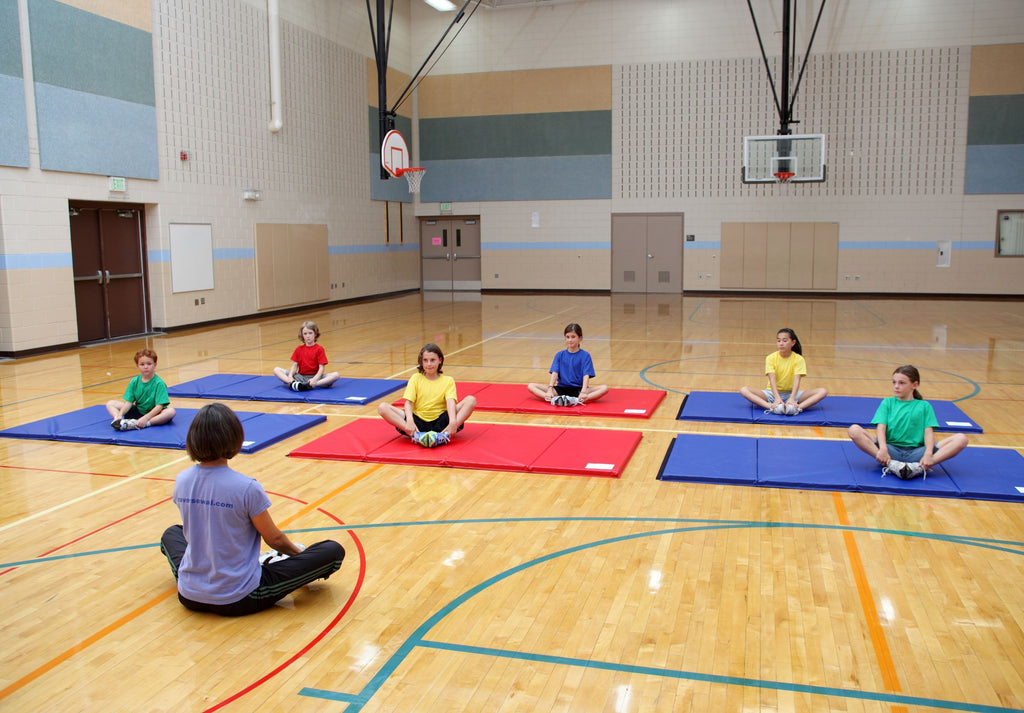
133	412
568	390
437	425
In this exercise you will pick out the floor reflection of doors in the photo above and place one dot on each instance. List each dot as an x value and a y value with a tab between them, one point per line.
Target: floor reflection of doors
450	253
647	253
110	282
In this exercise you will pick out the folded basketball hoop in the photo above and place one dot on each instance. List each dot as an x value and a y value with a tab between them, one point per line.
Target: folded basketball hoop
414	176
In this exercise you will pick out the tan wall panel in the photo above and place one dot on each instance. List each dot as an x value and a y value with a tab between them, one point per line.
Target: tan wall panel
755	252
997	69
826	256
136	13
292	265
396	82
732	256
524	92
777	274
801	256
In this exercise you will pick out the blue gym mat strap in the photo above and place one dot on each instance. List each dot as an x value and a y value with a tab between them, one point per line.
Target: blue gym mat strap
247	387
833	411
978	473
92	425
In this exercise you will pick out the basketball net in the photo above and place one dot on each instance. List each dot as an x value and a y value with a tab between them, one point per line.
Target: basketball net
783	176
414	176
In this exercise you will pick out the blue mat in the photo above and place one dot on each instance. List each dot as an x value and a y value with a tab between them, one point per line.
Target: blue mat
92	425
834	411
245	387
978	473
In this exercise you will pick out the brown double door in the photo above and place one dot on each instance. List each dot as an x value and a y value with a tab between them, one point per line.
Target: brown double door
107	252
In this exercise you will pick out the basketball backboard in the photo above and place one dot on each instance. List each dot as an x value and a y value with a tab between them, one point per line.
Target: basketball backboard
792	158
394	153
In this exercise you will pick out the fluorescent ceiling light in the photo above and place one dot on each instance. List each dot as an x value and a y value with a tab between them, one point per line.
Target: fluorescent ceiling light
442	5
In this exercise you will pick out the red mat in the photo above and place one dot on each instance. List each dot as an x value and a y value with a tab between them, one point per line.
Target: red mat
515	398
484	446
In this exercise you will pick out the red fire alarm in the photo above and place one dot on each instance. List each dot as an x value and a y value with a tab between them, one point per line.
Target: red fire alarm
183	156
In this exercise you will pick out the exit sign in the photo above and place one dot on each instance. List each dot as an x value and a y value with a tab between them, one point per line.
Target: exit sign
117	184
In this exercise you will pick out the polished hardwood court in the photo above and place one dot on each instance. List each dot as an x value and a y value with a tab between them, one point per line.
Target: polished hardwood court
467	590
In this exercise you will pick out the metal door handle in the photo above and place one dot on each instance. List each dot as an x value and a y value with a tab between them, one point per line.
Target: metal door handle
649	256
123	275
107	273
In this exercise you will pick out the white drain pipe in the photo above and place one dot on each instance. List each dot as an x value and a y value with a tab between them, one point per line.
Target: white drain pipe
274	36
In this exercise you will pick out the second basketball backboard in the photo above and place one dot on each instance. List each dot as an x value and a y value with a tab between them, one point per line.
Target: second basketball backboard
792	158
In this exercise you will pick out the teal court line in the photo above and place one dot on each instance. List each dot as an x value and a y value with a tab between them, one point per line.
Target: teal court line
997	545
418	637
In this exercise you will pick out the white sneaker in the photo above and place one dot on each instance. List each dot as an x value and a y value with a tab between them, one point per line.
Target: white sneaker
779	409
792	409
895	467
560	400
911	470
130	425
271	557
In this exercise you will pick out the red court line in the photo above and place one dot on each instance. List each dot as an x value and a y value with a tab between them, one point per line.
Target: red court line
110	628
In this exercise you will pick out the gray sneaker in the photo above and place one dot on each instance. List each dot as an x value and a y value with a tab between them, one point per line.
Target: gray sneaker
779	409
792	409
560	400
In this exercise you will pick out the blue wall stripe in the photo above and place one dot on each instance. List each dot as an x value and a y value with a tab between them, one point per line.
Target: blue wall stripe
13	125
34	261
994	169
518	179
78	50
367	249
158	256
87	133
559	245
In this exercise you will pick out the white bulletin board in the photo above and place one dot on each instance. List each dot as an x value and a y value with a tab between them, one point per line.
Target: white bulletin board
191	257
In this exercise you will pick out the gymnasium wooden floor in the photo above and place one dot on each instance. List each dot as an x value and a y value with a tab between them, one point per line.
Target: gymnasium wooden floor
494	591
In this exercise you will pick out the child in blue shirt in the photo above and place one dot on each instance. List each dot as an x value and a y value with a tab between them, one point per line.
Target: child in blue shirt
571	372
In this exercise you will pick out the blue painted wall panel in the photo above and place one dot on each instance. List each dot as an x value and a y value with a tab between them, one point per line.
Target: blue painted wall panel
77	50
87	133
518	179
13	126
994	170
10	39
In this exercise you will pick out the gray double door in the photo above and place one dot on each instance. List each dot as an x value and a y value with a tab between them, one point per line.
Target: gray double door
450	253
647	253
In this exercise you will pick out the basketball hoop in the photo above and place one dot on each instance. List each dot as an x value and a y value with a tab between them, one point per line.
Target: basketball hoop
783	176
414	176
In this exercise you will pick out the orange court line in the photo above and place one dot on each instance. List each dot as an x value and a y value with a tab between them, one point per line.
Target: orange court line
867	602
114	626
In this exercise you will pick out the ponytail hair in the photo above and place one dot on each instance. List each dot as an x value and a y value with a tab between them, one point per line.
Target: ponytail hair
796	340
911	373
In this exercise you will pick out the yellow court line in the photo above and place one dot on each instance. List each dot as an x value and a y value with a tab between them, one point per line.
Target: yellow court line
114	626
867	602
93	493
